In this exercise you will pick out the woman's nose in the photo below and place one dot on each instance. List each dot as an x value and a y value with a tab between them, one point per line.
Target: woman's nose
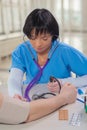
38	42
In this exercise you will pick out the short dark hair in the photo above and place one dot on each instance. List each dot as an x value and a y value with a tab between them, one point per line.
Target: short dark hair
43	22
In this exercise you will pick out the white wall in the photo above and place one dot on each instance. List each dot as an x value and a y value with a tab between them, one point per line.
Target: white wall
84	15
8	45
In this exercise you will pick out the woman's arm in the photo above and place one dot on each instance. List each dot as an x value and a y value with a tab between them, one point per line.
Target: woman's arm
77	82
15	82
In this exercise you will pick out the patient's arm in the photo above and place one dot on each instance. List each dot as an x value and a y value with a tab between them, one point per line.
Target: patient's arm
14	111
40	108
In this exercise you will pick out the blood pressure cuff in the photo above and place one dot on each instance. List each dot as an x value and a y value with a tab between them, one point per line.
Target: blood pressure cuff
13	111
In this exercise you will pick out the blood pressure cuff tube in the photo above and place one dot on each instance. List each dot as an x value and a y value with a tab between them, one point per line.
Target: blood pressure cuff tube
13	111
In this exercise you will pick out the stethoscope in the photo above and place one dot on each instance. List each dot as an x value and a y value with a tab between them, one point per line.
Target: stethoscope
39	74
46	94
42	96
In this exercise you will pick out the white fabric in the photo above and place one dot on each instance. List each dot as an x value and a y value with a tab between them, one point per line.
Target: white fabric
78	82
13	111
15	82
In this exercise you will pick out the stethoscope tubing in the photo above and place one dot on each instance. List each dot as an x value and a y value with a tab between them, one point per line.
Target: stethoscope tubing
34	80
37	77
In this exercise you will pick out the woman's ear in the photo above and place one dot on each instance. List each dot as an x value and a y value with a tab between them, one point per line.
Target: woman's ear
55	37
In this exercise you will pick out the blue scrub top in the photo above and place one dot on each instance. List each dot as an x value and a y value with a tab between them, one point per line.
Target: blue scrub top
64	59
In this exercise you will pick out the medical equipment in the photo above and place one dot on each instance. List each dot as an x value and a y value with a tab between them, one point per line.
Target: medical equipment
80	100
53	79
43	95
85	100
84	96
85	103
46	94
39	74
80	92
63	114
75	119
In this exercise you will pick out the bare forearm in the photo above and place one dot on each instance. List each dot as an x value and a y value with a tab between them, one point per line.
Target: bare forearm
43	107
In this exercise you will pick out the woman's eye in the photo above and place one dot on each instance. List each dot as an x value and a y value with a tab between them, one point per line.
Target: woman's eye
45	38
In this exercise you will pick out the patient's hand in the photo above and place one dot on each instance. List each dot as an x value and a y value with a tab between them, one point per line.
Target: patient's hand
19	97
69	92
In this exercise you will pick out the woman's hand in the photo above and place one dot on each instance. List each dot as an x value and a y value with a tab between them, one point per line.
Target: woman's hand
53	87
19	97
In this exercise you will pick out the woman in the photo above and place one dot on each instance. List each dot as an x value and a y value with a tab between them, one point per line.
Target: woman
42	55
14	111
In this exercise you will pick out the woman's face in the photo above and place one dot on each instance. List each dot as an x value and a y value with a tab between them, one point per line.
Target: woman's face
41	43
